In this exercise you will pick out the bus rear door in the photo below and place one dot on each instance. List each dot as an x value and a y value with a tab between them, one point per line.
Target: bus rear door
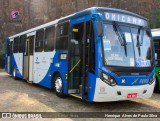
9	56
28	58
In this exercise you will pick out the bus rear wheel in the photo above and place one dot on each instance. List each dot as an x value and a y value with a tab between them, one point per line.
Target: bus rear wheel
14	73
58	86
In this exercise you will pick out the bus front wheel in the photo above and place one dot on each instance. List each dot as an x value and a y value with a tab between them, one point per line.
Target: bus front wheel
58	86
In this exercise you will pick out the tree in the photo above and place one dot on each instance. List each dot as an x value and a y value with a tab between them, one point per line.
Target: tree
155	19
154	15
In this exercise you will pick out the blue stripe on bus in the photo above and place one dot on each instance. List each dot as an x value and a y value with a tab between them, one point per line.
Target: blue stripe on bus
91	86
14	64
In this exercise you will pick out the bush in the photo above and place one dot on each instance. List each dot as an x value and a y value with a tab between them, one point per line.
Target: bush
155	19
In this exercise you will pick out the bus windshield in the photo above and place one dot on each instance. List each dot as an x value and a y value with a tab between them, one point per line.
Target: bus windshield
126	46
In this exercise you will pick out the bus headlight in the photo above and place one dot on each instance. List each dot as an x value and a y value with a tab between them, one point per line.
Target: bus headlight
152	80
108	79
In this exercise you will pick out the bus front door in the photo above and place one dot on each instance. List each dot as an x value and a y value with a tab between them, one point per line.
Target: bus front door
9	59
78	60
28	59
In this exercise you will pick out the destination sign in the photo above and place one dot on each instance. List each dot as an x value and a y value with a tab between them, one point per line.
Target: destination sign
118	17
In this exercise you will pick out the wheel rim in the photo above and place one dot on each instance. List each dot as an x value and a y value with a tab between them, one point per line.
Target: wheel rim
14	73
58	84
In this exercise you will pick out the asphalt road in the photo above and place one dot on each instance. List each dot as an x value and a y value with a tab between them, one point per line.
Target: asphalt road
20	96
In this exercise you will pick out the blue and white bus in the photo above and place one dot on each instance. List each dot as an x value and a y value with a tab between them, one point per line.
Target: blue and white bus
98	54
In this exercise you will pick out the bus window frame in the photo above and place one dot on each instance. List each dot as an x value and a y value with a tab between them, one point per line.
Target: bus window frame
58	36
16	46
54	39
39	48
22	45
93	70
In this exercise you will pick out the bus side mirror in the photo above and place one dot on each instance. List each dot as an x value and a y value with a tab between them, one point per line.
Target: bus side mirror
100	28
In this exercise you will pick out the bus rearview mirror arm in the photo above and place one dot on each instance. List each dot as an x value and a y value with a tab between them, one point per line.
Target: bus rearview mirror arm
99	25
99	28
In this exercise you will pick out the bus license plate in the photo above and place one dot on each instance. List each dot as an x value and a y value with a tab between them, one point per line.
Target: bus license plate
132	95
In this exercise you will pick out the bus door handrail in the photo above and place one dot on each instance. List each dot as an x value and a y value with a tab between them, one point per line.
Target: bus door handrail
75	66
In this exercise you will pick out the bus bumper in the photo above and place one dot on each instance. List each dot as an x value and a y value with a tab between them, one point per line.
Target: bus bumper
106	93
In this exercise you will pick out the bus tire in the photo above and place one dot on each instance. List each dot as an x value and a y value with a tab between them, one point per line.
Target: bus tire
14	73
156	88
58	85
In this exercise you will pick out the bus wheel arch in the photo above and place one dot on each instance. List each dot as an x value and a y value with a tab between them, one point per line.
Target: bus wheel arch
57	84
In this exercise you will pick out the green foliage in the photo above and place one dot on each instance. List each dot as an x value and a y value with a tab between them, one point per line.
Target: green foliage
1	54
1	47
155	19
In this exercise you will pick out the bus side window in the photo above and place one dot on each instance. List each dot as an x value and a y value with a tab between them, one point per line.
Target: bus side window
62	36
39	40
31	45
49	39
16	44
22	43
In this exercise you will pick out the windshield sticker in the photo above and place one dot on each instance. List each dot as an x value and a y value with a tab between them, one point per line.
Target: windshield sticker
115	57
128	37
107	45
142	63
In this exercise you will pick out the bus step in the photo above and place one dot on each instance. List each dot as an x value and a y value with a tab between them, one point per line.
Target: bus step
86	88
30	82
73	91
76	95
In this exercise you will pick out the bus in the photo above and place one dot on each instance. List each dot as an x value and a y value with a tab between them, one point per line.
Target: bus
98	54
156	40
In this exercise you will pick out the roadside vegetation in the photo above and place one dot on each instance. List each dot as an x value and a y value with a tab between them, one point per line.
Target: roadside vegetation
155	19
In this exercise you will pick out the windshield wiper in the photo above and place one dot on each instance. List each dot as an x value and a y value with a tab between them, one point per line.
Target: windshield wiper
139	43
121	36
